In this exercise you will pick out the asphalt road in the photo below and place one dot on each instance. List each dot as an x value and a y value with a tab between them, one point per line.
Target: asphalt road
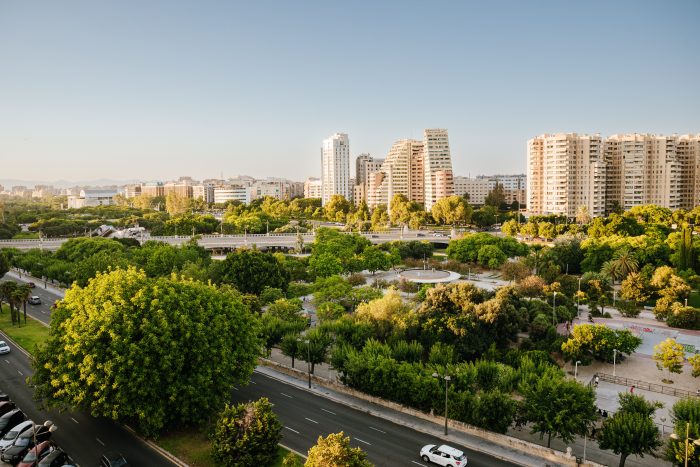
305	416
40	312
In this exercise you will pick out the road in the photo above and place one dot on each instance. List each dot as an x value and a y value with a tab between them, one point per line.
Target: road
39	312
84	437
305	416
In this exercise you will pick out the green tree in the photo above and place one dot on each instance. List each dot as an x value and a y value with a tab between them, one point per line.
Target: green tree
510	227
290	346
250	271
597	341
116	348
4	264
452	210
635	288
373	259
246	434
334	451
695	364
631	431
496	197
669	355
380	218
337	208
558	407
686	416
583	216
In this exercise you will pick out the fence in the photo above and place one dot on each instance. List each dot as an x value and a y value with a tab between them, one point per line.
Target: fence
647	386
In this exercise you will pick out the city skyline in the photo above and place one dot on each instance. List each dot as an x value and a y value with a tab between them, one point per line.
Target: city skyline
170	88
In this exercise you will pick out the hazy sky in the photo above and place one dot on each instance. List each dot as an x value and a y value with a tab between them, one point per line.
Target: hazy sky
157	89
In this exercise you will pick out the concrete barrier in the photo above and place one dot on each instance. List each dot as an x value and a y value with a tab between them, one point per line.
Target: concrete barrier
509	442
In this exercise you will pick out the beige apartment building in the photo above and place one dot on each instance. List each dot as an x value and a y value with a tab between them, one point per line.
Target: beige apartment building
396	175
566	171
437	167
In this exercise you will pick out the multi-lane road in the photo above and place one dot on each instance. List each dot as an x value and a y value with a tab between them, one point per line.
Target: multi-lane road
306	415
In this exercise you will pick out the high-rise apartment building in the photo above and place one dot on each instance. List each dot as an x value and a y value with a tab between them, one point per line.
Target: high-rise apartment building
567	171
364	166
312	188
514	187
437	167
335	167
395	175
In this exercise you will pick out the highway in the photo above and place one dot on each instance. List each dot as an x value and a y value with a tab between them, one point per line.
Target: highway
305	416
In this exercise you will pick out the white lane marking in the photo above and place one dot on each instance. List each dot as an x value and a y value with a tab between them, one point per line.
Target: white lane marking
20	372
253	382
43	311
291	429
362	441
235	388
76	421
312	421
7	361
100	441
377	429
332	413
418	463
286	395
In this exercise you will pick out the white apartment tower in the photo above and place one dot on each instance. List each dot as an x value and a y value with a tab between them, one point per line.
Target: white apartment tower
566	171
335	167
437	167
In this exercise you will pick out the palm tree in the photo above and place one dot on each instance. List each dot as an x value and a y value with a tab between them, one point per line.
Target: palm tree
625	262
18	297
7	288
23	294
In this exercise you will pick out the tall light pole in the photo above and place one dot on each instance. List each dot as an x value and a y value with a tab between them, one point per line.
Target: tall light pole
447	380
308	358
576	369
696	442
614	360
554	309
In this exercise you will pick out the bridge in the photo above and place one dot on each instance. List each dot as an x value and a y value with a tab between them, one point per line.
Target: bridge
273	241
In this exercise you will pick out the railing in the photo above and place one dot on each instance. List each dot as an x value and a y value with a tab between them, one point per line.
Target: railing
647	386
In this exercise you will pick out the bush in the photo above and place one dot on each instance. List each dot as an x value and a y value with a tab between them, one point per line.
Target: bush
684	317
246	434
356	279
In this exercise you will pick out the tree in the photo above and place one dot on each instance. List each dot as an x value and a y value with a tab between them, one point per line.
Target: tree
116	346
290	346
334	451
597	341
4	264
452	210
286	309
631	431
250	271
686	416
510	227
558	407
624	263
337	208
583	216
496	197
380	218
373	259
176	204
669	355
695	364
246	434
635	288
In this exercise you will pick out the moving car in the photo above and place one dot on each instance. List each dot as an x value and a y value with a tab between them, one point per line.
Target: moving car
14	433
443	455
24	442
34	300
35	454
56	458
113	459
4	348
31	285
10	419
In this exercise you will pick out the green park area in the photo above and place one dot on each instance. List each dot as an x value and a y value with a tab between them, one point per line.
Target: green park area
28	335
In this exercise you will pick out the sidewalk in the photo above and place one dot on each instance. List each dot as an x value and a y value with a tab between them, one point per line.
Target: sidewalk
593	452
15	274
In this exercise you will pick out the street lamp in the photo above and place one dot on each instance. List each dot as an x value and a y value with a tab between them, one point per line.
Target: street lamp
576	369
447	380
696	442
48	423
614	297
308	358
554	309
614	360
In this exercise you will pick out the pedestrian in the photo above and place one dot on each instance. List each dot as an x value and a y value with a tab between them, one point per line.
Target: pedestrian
605	414
600	412
632	389
597	380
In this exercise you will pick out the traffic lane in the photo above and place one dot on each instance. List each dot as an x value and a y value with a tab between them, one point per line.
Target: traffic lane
41	312
84	437
306	416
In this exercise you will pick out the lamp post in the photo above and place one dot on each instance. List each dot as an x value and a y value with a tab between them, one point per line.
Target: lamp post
614	297
554	309
576	369
696	442
308	358
47	423
614	360
447	380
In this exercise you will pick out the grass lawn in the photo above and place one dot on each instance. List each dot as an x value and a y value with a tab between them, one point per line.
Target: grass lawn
194	448
28	335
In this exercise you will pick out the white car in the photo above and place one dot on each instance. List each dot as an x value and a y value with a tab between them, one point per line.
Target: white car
443	455
14	433
4	348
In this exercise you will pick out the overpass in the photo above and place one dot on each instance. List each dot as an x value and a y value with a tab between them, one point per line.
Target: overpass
278	241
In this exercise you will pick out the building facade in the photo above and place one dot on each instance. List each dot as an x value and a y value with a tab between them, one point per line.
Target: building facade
437	167
335	167
312	188
364	166
91	197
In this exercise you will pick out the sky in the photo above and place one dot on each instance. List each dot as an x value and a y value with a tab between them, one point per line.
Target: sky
158	89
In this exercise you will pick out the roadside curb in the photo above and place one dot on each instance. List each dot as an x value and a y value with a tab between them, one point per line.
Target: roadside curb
167	454
372	412
17	346
294	451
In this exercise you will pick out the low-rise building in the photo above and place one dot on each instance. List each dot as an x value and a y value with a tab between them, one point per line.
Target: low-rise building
90	197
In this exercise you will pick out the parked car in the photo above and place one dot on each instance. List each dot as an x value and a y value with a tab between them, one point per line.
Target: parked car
56	458
10	419
6	406
4	348
443	455
4	397
24	442
35	454
34	300
113	459
420	235
14	433
31	284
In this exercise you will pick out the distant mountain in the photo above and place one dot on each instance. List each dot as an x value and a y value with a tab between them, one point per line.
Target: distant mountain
10	182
